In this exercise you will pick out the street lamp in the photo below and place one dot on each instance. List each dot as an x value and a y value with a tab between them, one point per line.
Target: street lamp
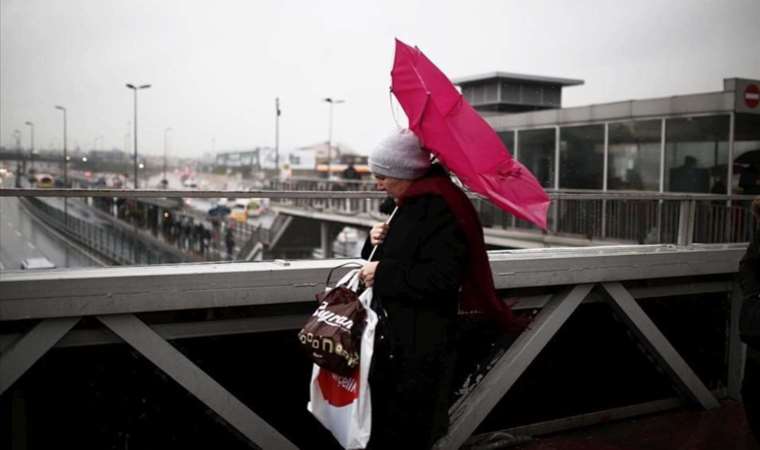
277	137
17	136
135	89
164	181
65	148
331	101
65	167
31	145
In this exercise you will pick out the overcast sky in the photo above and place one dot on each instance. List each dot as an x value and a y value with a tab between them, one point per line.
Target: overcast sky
216	67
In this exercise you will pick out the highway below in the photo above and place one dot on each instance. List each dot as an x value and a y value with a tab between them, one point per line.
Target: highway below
24	236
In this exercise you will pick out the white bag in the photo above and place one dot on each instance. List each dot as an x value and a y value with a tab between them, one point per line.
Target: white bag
343	404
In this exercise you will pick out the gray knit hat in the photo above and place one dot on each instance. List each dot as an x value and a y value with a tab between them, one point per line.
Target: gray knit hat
399	156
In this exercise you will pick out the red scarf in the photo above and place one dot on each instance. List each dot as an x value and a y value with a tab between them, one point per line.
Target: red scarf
478	293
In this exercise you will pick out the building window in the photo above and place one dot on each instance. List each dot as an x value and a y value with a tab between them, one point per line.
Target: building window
581	157
491	93
508	138
696	154
510	92
633	161
746	179
552	96
531	94
536	152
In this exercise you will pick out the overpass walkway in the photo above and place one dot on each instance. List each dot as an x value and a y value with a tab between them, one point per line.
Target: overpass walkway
614	316
153	310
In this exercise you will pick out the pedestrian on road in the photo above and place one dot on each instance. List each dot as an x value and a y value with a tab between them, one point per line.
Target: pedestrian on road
229	240
749	324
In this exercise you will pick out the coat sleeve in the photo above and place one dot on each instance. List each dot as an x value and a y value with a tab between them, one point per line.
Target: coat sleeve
437	265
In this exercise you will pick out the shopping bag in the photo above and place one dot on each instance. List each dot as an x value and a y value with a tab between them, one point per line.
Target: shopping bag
332	335
342	403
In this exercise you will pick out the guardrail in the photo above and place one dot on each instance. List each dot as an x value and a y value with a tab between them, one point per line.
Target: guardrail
115	243
625	217
145	307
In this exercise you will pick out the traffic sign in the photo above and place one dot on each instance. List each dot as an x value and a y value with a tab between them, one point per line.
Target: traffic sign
752	95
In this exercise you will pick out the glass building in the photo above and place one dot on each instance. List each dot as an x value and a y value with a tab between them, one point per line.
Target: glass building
703	143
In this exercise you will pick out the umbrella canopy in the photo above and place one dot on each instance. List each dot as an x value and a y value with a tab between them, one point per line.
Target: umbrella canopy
749	158
219	210
453	131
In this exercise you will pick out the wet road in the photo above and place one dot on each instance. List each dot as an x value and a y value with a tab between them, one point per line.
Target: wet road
23	236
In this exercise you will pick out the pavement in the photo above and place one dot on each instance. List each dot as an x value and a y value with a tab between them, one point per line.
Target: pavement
723	428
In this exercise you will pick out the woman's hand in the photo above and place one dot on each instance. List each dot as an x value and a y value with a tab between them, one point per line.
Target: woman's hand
367	274
377	233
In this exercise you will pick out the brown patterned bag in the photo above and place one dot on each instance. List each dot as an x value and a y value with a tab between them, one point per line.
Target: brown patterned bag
332	335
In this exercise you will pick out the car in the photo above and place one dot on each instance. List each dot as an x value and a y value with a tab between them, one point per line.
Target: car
255	207
239	211
37	263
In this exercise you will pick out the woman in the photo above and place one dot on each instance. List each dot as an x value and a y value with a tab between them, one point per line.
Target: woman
430	263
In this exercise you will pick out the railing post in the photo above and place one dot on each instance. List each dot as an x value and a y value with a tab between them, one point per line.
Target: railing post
686	221
554	228
325	240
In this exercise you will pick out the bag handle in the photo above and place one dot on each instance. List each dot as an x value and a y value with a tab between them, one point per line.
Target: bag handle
346	264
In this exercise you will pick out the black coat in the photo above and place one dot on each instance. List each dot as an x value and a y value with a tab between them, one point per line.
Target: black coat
749	278
421	265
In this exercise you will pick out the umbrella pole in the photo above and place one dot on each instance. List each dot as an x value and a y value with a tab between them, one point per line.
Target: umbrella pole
374	249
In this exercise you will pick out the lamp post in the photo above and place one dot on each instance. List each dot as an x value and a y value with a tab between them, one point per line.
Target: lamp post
135	89
164	181
331	101
17	137
31	140
65	148
277	137
65	167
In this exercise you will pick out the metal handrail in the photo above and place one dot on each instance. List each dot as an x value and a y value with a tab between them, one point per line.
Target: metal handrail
553	194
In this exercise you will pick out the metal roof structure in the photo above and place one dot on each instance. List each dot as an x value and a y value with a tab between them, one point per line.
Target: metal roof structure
519	77
726	101
505	92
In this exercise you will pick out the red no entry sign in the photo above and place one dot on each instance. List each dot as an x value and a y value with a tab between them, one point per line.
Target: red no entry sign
752	95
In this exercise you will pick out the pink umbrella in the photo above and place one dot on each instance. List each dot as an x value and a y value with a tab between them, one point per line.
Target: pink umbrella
450	128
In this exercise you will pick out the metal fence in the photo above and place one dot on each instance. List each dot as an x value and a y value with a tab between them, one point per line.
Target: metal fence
625	217
114	243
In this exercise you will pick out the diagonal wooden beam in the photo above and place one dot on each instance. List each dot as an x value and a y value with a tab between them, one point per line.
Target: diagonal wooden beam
31	347
481	400
658	345
146	341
